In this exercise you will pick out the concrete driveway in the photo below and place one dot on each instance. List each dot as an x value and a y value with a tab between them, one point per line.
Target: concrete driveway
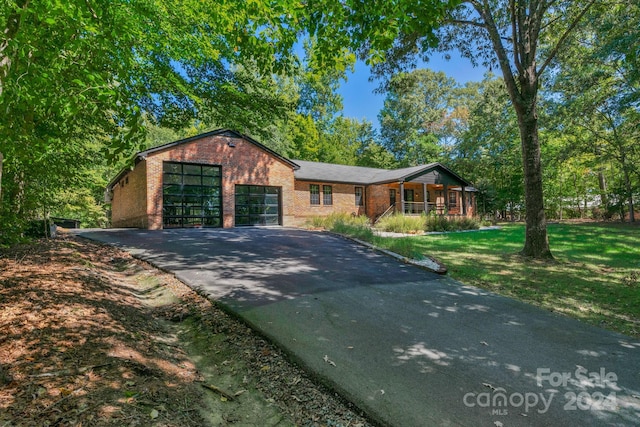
408	347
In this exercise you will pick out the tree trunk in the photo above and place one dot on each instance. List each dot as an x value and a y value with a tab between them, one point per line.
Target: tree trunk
577	191
536	243
629	188
602	184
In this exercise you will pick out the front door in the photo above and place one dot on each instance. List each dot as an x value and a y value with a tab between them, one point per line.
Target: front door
408	199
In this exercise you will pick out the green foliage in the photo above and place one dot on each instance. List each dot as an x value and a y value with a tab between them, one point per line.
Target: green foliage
408	224
445	223
405	246
419	116
78	81
11	230
391	35
356	230
80	204
328	222
398	223
488	151
594	95
345	224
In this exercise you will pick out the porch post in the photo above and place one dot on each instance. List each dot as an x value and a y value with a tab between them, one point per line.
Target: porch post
424	197
445	190
463	201
402	197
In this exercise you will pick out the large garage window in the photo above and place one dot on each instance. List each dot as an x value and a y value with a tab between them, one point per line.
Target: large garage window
191	195
257	205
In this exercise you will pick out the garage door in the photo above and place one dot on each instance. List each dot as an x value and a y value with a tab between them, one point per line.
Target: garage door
257	205
191	195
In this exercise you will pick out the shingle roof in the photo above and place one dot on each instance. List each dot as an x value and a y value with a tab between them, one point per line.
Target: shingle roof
328	172
322	172
217	132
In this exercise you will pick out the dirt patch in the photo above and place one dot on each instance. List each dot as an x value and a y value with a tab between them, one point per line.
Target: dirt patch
91	336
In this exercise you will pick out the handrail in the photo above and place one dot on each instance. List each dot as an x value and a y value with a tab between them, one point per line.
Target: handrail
385	213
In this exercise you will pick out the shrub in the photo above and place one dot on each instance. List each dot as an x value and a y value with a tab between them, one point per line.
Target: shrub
405	246
359	231
444	223
398	223
343	223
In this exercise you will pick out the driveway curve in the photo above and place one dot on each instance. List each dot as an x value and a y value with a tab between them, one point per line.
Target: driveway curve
409	347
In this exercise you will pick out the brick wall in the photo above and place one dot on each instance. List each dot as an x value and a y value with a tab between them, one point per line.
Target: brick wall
128	207
241	161
377	199
139	203
344	200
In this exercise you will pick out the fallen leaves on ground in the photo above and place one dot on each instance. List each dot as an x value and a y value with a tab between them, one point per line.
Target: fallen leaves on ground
91	336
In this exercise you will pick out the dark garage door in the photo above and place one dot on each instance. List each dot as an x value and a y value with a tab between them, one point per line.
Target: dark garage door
257	205
191	195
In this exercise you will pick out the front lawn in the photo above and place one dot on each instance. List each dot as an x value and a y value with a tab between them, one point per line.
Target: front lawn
594	277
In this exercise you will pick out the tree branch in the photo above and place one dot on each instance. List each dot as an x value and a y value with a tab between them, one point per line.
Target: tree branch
11	29
463	22
514	36
564	36
485	12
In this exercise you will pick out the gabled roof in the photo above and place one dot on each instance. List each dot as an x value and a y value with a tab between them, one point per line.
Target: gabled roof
219	132
327	172
432	173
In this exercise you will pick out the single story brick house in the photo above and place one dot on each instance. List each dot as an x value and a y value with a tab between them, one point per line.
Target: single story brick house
226	179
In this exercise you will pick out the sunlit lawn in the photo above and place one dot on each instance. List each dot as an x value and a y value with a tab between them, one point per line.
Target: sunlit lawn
595	275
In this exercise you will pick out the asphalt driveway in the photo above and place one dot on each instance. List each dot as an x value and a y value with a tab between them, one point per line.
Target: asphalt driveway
407	346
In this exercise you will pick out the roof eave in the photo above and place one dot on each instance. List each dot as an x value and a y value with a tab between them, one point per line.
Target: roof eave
217	132
431	166
332	181
142	155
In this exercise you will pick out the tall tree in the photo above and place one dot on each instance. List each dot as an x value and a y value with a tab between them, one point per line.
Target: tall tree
488	151
596	89
76	70
396	33
417	119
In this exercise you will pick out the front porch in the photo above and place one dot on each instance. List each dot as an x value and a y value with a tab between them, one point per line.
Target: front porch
429	199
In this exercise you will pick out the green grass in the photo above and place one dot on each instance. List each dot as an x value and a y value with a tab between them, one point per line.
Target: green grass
346	224
594	276
402	224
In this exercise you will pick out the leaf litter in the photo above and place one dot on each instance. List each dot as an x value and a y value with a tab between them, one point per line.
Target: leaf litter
91	336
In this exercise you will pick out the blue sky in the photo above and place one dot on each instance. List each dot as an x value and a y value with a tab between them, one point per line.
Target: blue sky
361	103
